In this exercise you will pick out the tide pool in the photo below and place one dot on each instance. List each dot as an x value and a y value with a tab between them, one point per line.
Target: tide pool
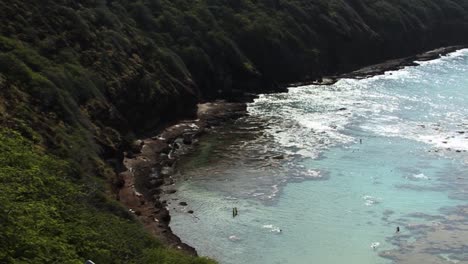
325	174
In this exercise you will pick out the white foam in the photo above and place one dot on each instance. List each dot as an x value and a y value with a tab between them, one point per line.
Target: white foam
304	119
313	174
234	238
448	57
258	194
370	200
445	141
310	119
420	176
375	245
274	191
272	228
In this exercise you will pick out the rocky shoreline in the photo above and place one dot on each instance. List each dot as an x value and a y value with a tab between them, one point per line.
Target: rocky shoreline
381	68
151	161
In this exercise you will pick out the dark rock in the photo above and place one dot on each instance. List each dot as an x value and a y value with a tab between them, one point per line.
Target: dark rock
166	171
170	182
155	175
171	191
200	132
165	217
343	109
168	162
188	139
155	191
136	146
278	157
177	143
190	211
183	204
119	183
166	150
155	183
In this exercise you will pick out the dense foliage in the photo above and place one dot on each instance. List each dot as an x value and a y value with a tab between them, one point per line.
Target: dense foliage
78	78
46	216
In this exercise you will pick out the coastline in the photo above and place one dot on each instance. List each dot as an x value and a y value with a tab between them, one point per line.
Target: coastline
381	68
151	161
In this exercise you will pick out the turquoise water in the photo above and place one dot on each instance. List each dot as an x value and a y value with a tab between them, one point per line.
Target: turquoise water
333	170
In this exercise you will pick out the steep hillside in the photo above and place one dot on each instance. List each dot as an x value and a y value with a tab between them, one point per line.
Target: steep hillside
79	79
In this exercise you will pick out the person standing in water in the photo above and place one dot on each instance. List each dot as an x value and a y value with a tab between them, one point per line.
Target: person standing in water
397	229
234	212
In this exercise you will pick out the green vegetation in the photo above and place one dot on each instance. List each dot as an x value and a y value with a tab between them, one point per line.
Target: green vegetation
79	79
48	217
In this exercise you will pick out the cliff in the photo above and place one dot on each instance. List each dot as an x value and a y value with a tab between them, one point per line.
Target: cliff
80	79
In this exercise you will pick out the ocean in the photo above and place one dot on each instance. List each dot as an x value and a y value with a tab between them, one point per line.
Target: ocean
326	174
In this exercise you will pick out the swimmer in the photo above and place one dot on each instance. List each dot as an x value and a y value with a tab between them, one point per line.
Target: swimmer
234	212
397	229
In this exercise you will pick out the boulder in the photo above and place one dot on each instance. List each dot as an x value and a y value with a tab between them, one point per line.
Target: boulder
278	157
166	150
165	217
155	183
155	191
136	146
158	204
188	139
166	171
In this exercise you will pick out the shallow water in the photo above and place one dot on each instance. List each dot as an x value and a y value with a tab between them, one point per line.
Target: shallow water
323	173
